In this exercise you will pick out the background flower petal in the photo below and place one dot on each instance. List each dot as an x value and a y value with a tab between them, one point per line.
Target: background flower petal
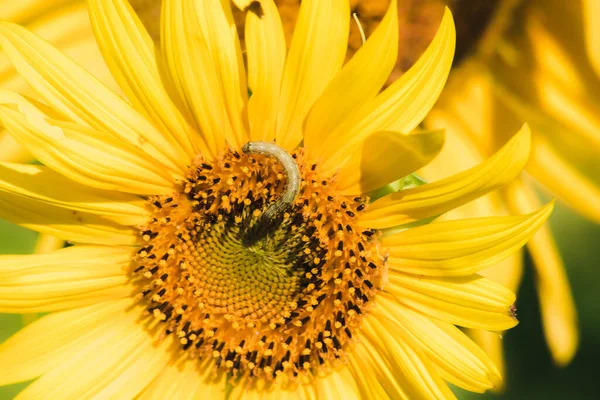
559	315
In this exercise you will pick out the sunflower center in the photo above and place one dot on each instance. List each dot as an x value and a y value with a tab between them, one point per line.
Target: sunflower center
246	273
264	297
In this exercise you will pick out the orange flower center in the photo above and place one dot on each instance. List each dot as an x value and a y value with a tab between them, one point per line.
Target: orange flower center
262	299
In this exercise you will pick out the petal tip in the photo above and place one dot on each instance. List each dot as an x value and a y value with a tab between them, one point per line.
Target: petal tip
545	211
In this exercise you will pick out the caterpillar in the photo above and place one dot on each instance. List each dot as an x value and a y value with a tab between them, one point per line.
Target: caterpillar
292	172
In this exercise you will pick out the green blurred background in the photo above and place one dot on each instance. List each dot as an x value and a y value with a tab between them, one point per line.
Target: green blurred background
530	372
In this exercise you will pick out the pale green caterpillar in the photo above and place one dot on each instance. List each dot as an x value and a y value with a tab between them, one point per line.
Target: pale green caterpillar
292	172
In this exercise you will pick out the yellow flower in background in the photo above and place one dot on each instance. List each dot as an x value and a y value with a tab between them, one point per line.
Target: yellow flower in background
208	261
537	62
540	70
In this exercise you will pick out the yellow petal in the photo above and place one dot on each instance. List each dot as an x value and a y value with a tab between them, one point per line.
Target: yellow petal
337	385
220	29
243	4
473	301
43	184
359	81
68	278
24	356
508	273
565	126
22	11
186	380
492	344
590	12
403	355
43	244
457	358
379	378
75	93
72	254
84	51
462	247
404	104
439	197
260	389
47	244
385	157
134	359
559	315
265	47
316	55
11	150
582	193
369	386
80	152
75	226
203	58
130	54
66	26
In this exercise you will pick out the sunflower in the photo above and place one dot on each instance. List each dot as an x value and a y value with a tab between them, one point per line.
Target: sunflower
224	244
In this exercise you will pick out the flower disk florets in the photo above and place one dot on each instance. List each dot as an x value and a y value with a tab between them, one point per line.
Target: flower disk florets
262	298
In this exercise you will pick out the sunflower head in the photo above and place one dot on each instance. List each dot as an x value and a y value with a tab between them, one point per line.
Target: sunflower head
261	294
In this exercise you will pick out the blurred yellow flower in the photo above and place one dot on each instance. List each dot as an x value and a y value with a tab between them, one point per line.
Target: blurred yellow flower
210	262
534	63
